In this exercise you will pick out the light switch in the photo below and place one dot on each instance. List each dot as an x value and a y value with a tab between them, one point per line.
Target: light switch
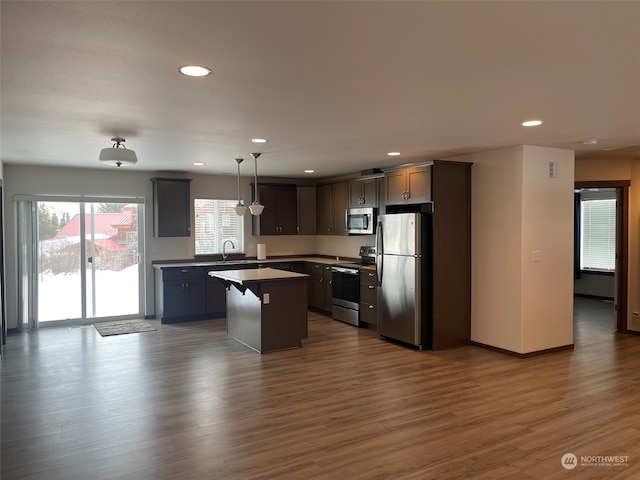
536	256
265	298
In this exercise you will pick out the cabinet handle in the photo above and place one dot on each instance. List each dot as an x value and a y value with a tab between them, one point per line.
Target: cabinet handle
371	287
372	274
185	271
371	307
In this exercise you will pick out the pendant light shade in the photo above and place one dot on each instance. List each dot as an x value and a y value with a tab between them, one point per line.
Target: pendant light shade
256	207
118	154
240	208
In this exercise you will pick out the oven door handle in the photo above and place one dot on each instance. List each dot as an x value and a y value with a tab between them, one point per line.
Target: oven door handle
348	271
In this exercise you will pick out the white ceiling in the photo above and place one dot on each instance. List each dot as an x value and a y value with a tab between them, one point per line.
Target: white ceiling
332	85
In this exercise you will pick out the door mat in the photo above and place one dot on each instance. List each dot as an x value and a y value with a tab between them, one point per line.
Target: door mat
120	328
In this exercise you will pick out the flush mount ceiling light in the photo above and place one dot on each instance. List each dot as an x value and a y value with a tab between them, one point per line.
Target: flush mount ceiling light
198	164
194	71
393	154
259	140
309	171
118	154
532	123
240	209
256	207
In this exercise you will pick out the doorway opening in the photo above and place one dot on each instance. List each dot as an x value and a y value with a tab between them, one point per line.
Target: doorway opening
601	256
79	261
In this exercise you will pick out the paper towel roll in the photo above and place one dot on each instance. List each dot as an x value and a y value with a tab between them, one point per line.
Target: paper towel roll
262	251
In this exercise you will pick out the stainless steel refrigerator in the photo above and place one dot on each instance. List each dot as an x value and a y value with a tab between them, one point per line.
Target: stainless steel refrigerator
403	261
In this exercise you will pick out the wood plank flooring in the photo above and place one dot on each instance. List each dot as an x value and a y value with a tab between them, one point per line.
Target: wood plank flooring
188	402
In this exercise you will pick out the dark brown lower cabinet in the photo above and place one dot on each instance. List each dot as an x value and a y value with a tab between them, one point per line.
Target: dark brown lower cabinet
368	296
320	289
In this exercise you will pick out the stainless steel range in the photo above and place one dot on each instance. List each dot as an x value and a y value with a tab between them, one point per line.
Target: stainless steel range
345	281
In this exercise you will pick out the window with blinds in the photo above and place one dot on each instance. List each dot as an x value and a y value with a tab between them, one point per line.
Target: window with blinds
598	234
215	223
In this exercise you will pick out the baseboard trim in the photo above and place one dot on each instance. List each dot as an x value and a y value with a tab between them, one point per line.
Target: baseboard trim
524	355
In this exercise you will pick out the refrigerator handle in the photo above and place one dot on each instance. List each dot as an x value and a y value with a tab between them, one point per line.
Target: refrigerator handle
379	252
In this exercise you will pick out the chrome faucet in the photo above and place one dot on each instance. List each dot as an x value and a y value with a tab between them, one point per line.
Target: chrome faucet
224	252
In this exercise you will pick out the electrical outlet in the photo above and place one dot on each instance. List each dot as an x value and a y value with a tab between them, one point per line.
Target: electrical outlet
265	299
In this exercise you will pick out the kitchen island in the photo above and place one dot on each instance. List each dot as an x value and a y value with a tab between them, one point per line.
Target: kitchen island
266	308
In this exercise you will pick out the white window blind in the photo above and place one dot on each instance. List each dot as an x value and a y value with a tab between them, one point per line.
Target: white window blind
598	234
216	222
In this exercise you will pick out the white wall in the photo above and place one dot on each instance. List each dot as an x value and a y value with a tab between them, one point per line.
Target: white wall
517	304
547	229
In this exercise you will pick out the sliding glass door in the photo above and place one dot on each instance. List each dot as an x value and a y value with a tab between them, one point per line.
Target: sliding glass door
82	262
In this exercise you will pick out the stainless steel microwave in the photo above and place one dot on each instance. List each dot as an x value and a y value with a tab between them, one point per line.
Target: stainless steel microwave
361	221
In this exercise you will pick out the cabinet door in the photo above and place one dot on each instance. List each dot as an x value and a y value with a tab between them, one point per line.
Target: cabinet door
287	210
216	298
419	184
171	207
356	194
174	298
267	223
324	210
395	187
340	201
328	288
369	192
306	210
316	291
195	297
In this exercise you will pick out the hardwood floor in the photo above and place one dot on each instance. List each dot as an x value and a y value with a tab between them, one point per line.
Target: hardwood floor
187	402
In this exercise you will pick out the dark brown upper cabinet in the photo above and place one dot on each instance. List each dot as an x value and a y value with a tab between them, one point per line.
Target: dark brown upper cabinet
332	203
280	214
171	207
363	193
408	185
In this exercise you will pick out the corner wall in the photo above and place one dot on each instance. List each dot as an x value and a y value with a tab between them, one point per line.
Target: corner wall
519	304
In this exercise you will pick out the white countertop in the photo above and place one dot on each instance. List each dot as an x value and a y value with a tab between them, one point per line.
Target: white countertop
255	275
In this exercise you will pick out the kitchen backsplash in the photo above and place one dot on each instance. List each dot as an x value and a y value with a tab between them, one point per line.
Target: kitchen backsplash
309	245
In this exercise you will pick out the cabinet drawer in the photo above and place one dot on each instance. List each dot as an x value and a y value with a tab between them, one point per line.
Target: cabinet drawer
183	273
368	277
368	313
368	293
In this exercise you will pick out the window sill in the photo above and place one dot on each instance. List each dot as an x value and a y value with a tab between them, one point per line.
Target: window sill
598	272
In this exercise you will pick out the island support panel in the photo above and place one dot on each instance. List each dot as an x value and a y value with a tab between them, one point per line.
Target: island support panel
279	324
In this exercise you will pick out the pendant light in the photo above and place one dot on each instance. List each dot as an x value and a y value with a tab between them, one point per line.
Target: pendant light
239	208
256	207
118	154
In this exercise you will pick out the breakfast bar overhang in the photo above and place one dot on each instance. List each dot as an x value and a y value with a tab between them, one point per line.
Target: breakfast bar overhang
266	308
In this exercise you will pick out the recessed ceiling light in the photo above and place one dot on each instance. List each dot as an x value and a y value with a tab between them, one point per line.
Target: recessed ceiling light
393	154
199	164
590	141
194	70
309	171
532	123
259	140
